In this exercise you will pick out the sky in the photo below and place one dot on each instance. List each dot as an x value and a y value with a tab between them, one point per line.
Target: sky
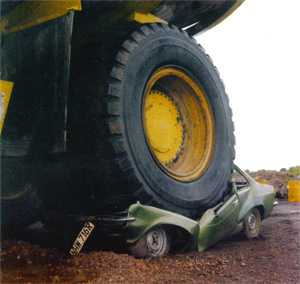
257	51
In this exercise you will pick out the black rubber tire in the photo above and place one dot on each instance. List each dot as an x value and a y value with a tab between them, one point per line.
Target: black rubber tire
18	212
110	127
252	233
18	198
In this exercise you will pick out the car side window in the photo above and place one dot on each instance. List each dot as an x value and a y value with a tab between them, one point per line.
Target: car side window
239	180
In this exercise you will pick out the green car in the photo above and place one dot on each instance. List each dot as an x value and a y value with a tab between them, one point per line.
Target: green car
154	231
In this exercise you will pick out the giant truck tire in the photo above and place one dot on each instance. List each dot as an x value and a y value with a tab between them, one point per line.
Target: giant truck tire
19	211
162	122
19	201
18	195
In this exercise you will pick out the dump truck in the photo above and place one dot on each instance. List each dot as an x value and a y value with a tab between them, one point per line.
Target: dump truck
106	103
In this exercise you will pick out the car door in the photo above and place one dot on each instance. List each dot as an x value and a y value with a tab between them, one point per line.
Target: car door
219	222
243	191
227	215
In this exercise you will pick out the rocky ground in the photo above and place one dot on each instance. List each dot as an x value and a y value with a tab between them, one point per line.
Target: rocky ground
279	179
272	258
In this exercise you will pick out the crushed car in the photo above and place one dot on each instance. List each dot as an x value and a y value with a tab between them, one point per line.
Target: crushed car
155	231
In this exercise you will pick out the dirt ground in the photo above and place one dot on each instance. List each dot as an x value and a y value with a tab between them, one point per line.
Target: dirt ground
279	179
272	258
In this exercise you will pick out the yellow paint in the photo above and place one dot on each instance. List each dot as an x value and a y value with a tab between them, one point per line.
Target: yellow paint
294	191
5	93
179	126
163	126
145	18
32	13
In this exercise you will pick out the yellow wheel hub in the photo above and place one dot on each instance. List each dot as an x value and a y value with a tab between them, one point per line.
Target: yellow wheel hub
178	124
164	126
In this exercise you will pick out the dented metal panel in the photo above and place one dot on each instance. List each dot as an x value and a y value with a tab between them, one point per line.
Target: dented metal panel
215	224
147	217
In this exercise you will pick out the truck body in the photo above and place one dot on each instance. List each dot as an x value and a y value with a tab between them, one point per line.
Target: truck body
40	41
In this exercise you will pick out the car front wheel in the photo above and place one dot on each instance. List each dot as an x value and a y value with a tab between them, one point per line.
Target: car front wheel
155	243
252	224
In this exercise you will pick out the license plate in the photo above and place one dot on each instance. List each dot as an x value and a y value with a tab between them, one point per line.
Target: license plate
82	238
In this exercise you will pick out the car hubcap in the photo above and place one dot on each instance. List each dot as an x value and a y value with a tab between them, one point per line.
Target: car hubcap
252	222
156	241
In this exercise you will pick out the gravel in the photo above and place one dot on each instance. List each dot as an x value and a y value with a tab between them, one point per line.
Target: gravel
272	258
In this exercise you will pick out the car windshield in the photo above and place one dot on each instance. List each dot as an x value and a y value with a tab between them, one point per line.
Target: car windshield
239	180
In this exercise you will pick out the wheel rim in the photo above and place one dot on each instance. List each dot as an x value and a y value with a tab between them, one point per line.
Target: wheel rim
15	194
178	124
252	222
156	242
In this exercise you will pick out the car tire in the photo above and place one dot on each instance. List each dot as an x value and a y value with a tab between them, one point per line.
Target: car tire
155	243
252	224
20	210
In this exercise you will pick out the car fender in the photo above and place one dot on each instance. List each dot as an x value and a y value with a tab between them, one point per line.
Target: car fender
148	217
